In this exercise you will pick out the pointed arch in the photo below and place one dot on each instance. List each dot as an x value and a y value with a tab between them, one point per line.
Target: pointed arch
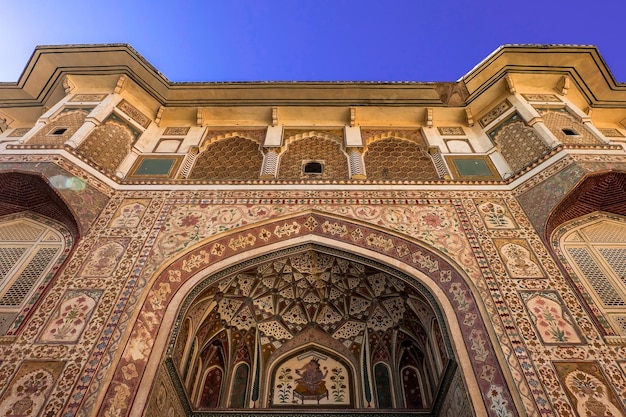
383	384
597	203
601	191
593	250
422	266
23	192
38	234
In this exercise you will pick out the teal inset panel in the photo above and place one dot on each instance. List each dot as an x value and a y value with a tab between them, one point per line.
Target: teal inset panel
155	167
473	167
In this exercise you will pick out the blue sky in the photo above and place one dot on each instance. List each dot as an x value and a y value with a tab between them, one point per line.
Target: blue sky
302	40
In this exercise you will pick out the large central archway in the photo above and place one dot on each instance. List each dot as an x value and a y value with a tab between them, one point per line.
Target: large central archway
311	328
145	367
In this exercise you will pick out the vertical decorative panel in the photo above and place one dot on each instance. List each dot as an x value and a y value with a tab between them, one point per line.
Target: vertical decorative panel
384	393
239	386
588	390
551	318
69	320
210	396
411	387
28	392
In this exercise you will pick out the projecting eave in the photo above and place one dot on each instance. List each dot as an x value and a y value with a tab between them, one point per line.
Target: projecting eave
43	76
583	64
93	67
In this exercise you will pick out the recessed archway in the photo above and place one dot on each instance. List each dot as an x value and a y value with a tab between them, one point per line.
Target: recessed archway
315	324
480	371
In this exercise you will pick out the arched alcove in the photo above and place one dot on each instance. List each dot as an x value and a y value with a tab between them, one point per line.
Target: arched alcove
37	234
170	293
316	324
587	231
592	248
28	192
602	191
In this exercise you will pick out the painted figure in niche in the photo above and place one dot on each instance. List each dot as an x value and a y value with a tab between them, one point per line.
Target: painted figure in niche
591	394
495	216
28	394
519	263
311	384
553	324
70	320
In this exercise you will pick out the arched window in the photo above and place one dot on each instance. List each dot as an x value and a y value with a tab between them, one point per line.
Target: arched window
313	167
411	387
30	251
595	247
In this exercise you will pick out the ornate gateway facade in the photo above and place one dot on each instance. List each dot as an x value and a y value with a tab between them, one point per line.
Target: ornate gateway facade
438	249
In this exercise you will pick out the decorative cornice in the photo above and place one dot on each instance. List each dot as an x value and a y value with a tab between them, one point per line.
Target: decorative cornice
43	79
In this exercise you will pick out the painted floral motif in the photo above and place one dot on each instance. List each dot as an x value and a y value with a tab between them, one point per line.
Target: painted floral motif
129	215
495	216
519	263
118	402
591	394
553	324
284	385
140	343
338	385
28	394
103	260
70	320
498	403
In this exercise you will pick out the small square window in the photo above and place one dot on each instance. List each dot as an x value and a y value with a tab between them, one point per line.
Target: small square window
313	167
58	131
570	132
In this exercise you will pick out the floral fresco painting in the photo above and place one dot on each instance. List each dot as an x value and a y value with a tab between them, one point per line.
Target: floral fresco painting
103	260
519	259
27	394
71	317
552	320
129	214
588	390
311	379
495	214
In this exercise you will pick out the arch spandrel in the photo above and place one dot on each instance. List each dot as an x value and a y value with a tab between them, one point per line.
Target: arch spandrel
169	288
72	197
439	228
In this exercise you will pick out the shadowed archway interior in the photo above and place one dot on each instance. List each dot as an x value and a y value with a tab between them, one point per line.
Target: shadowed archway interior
310	328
